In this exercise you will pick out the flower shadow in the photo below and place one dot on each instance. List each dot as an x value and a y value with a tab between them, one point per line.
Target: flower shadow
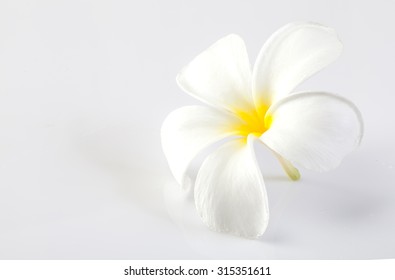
128	160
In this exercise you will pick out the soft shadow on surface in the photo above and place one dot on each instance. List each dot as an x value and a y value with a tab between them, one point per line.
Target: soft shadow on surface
277	178
205	242
276	236
129	160
348	206
180	206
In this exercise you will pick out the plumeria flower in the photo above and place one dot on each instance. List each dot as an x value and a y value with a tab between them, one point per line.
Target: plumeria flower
314	130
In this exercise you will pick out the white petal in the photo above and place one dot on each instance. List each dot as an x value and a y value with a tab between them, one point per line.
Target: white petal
188	130
291	55
230	193
313	129
220	76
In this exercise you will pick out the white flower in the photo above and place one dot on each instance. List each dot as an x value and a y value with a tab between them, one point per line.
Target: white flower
314	130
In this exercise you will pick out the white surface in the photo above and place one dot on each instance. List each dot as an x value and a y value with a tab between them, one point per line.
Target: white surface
84	87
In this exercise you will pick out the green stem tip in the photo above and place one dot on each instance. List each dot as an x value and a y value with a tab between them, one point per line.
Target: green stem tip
291	170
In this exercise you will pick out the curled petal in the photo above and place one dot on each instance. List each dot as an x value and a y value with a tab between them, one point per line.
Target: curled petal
220	76
291	55
230	193
313	129
188	130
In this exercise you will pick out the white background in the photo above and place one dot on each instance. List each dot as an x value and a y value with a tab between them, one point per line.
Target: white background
85	86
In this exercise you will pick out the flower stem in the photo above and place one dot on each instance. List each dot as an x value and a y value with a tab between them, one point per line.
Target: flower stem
291	170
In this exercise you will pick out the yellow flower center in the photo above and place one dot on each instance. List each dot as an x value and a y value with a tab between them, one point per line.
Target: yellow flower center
257	122
254	121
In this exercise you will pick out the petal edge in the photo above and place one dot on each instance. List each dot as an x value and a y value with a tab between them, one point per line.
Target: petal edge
230	194
314	129
188	130
292	54
220	76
